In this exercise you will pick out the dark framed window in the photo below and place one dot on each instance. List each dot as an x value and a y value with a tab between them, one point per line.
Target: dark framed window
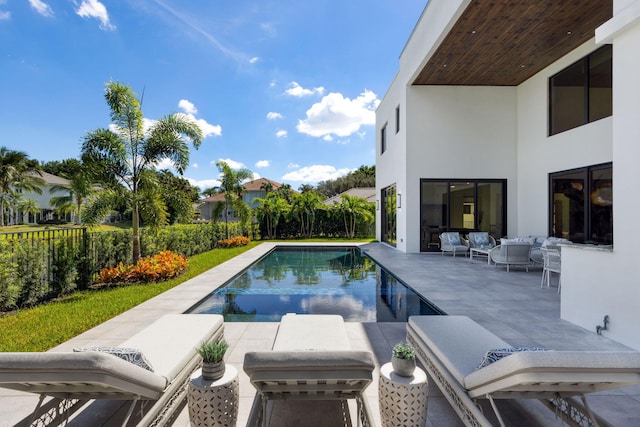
582	92
461	205
383	139
389	207
397	119
581	204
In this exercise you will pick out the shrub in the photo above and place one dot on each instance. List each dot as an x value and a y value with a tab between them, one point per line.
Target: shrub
9	290
234	242
162	266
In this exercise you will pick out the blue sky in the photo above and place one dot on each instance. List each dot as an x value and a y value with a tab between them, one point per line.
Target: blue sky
287	89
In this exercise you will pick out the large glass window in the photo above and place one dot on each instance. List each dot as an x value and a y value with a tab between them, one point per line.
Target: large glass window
461	205
582	204
383	139
389	206
582	92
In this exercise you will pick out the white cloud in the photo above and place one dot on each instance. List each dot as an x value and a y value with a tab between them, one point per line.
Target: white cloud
293	165
41	7
298	91
263	164
207	128
281	133
5	16
164	163
315	173
273	115
339	116
204	183
232	163
187	106
95	9
195	166
254	60
327	138
256	175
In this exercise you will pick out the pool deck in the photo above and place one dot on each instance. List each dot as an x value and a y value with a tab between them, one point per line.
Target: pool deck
511	305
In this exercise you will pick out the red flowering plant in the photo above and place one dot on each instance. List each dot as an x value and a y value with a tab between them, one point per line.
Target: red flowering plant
234	242
162	266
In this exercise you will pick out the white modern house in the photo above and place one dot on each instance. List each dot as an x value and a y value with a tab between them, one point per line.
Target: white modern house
522	118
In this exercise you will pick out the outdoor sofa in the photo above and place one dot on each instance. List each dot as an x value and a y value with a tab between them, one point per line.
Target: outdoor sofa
451	348
311	359
72	379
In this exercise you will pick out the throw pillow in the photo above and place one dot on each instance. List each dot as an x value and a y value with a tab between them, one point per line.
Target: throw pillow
131	355
498	353
454	239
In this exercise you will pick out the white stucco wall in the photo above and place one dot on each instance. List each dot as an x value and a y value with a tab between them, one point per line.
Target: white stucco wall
461	133
539	154
596	284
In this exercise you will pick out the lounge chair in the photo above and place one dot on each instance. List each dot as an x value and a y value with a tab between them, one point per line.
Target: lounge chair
481	239
311	359
451	348
168	346
511	253
450	241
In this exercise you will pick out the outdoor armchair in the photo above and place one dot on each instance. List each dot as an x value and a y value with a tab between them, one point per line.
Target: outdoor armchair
450	241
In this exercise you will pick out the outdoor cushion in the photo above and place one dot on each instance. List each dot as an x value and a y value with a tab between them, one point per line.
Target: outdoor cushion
131	355
498	353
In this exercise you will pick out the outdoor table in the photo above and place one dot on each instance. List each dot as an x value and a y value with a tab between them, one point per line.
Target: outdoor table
213	403
403	400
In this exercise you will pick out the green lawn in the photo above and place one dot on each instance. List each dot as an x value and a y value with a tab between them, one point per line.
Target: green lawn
43	327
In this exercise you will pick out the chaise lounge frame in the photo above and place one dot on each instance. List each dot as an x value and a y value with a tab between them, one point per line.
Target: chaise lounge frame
311	360
451	347
73	379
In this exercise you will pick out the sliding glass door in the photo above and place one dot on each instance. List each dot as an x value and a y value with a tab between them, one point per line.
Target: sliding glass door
461	205
388	223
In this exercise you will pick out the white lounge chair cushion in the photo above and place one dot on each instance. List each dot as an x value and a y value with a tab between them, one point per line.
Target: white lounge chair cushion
131	355
311	332
557	367
460	352
187	331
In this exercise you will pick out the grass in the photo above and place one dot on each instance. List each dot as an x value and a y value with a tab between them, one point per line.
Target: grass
43	327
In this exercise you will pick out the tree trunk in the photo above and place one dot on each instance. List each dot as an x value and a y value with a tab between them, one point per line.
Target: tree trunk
136	233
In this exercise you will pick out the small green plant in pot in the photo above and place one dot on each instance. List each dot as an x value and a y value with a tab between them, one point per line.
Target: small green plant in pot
403	359
212	354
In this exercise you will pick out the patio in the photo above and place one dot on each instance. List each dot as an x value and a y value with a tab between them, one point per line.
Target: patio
512	305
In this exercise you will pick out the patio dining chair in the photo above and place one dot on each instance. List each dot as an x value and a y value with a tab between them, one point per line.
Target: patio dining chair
551	264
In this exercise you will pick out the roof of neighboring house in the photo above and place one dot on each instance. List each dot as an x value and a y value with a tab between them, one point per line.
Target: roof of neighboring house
51	179
255	185
368	193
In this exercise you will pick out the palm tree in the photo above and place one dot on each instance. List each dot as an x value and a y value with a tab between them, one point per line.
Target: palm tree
304	207
129	153
269	210
231	186
28	206
267	186
353	210
79	188
17	173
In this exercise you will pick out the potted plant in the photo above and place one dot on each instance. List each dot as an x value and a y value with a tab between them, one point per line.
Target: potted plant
403	359
212	354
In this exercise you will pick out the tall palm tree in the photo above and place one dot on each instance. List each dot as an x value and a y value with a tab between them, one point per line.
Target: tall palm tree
231	186
17	173
129	152
79	188
304	207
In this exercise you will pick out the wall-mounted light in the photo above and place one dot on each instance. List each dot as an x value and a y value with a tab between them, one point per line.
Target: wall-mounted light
399	200
377	205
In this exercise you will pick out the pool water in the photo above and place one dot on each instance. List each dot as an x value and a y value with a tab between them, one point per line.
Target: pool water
315	280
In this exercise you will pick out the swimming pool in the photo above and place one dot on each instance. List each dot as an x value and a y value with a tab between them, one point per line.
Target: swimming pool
315	280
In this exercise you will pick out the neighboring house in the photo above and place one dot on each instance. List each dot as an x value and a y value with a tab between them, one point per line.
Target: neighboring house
47	213
252	190
368	193
518	118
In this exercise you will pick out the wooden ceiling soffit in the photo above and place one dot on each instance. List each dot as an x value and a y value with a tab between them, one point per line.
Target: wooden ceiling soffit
505	42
